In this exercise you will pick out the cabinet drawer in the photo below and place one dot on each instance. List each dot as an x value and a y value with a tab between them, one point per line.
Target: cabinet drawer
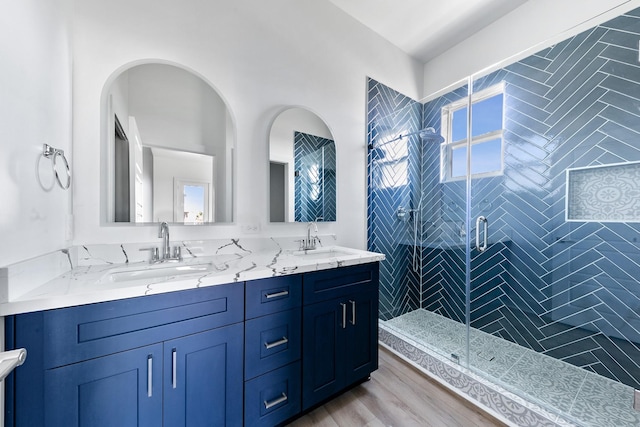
79	333
266	296
328	284
272	341
274	397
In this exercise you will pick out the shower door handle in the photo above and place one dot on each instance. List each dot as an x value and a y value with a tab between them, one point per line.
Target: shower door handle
482	220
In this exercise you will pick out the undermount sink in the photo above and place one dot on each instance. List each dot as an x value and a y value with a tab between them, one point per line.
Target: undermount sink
322	253
156	272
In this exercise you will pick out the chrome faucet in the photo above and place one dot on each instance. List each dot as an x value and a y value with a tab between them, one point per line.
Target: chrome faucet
166	246
310	242
164	235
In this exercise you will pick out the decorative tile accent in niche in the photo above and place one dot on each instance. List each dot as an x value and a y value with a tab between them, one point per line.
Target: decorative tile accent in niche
609	193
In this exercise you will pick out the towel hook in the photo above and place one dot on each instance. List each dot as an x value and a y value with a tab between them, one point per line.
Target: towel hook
52	153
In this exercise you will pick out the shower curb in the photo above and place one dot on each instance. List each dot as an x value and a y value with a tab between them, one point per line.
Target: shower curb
505	406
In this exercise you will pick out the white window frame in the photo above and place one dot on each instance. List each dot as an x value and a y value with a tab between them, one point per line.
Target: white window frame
447	147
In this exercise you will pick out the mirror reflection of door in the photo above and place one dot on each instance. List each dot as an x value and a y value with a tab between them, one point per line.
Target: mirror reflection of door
136	164
121	174
278	192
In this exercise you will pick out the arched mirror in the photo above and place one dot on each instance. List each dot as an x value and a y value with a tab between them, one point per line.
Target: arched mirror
168	150
302	168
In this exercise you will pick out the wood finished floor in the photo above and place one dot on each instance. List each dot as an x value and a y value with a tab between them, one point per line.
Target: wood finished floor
398	395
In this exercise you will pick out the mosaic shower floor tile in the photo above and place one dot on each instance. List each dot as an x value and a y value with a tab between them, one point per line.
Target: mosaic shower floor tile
553	382
491	355
604	402
584	397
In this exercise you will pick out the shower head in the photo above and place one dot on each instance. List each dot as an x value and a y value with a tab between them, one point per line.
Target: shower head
430	135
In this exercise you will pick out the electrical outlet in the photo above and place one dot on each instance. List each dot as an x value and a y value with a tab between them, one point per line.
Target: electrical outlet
253	228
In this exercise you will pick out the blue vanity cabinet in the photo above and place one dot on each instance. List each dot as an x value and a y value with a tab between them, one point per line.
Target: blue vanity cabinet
257	353
131	362
272	350
340	330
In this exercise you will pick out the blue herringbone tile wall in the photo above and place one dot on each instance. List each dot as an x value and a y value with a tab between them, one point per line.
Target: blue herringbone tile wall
567	289
392	185
315	181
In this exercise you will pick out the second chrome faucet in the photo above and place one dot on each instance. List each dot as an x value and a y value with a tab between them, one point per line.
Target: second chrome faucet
310	242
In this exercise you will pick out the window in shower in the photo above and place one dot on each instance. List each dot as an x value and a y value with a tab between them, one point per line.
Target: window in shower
394	166
487	117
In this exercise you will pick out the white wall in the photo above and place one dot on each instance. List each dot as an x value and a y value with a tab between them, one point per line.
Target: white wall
260	57
35	108
535	25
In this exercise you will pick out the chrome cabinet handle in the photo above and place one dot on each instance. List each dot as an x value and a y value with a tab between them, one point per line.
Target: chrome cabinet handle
276	295
174	368
482	247
274	402
344	315
353	312
149	376
270	345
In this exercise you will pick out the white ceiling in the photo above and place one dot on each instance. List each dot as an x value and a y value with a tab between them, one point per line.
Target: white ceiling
426	28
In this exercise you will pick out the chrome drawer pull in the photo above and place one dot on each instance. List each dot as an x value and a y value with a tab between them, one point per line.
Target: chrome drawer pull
149	376
344	315
353	312
174	368
273	403
277	294
270	345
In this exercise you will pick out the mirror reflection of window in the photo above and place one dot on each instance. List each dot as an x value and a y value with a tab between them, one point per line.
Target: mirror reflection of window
195	205
394	164
192	202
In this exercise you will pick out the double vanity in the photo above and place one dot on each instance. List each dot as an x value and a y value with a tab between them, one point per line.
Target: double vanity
239	332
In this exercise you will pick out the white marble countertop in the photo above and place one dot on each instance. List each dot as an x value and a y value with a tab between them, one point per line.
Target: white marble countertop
111	272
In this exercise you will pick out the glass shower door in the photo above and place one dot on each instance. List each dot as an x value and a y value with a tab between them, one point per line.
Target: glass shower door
490	345
442	222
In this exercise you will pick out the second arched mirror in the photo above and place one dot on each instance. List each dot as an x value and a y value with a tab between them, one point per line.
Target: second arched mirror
302	168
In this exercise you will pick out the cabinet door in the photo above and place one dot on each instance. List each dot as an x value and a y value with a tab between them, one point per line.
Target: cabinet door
323	351
123	389
361	336
203	378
